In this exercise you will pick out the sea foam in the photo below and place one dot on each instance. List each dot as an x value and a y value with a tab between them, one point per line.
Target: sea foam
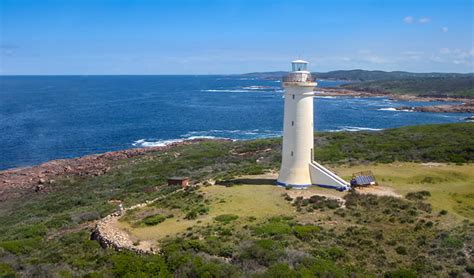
354	128
162	143
394	109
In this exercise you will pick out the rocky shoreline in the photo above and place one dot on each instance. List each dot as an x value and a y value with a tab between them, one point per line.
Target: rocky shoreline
18	182
464	105
447	108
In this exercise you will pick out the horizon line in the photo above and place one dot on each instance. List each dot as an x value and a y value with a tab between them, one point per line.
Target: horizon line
229	74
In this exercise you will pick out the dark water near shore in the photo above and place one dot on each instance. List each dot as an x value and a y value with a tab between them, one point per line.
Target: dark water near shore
44	118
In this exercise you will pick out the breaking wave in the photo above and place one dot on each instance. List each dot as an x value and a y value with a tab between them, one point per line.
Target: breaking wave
247	89
316	96
394	109
354	128
235	134
228	91
162	143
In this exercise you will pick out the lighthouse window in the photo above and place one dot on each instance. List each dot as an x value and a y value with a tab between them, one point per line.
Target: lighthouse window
291	153
293	96
292	123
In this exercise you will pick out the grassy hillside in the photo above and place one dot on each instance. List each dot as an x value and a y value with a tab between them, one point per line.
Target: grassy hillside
446	86
45	234
441	143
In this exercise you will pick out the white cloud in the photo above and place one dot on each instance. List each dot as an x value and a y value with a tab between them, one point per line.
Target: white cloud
444	51
365	55
456	56
408	19
444	29
424	20
412	55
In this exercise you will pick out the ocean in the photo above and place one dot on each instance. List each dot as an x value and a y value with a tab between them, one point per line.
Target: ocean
50	117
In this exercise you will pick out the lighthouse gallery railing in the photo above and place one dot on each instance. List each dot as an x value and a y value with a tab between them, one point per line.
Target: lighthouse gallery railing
298	77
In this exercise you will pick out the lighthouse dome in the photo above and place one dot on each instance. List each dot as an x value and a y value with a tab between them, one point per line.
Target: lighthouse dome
299	65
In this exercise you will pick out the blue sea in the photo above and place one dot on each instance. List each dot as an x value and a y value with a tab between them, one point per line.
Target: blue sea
50	117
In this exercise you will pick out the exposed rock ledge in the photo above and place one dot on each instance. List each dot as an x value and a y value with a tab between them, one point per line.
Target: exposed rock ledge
339	92
107	233
464	105
446	108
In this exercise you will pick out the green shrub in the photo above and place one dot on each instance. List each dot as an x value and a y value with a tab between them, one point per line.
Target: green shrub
153	219
402	250
21	246
38	230
226	218
131	265
59	221
191	215
451	242
265	252
419	195
335	252
273	228
306	232
7	271
400	273
326	268
280	270
470	269
443	212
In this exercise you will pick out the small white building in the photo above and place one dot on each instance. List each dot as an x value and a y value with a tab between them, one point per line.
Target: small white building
298	168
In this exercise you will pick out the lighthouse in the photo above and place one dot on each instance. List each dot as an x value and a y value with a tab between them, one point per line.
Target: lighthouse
298	168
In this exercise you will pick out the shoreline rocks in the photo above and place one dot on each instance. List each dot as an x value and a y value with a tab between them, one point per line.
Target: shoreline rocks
464	105
40	179
446	108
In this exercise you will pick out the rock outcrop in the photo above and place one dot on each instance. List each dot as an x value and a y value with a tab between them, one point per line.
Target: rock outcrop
445	108
20	181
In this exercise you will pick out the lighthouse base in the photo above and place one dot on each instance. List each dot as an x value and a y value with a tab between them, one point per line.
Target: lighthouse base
320	176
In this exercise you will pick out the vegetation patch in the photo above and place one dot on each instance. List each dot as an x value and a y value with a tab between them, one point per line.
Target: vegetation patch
226	218
154	219
444	86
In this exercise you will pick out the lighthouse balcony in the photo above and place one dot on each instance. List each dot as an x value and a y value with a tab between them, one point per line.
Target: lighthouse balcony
298	77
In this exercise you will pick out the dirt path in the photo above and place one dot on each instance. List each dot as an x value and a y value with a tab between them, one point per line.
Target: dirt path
379	190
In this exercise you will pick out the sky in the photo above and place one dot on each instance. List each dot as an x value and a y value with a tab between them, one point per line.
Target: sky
86	37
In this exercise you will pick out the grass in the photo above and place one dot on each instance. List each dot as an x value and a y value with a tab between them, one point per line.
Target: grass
440	143
243	201
451	186
375	236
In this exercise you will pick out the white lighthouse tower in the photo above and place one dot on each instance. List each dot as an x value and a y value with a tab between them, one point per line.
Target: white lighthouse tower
298	168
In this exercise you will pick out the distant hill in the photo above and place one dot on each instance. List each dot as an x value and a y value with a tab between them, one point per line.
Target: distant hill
363	75
375	75
395	82
441	86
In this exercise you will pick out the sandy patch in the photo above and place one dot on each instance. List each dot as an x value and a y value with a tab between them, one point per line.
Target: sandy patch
433	164
379	190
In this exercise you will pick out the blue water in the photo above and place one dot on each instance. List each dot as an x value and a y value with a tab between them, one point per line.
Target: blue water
44	118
